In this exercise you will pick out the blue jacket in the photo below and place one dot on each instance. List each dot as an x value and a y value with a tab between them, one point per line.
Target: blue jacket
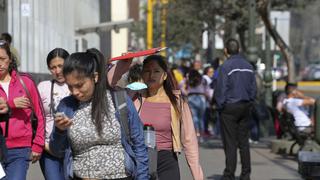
235	83
136	156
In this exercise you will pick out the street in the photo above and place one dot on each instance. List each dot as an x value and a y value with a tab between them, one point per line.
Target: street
265	165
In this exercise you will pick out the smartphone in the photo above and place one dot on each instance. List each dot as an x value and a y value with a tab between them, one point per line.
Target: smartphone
59	114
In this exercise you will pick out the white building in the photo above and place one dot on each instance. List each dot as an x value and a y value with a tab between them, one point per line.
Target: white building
38	26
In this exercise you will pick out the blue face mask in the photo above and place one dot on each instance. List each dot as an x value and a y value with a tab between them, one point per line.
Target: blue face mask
136	86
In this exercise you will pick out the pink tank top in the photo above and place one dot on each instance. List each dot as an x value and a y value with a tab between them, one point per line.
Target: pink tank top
159	115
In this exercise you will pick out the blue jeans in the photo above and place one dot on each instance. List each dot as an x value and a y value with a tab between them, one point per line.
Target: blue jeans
197	105
51	167
17	163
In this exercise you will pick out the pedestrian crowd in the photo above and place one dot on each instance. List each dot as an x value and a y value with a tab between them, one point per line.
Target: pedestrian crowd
78	127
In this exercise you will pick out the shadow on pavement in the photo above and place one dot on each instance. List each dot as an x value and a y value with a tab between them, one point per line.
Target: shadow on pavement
218	177
217	144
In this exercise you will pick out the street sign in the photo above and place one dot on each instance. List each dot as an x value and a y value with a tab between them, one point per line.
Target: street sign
25	10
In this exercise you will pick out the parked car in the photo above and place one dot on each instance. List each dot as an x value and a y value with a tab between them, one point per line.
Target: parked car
311	73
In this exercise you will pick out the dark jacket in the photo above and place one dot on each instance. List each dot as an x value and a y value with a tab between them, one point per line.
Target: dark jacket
235	82
136	156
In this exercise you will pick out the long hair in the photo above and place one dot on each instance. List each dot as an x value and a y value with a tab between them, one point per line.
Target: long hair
169	84
13	65
57	52
87	64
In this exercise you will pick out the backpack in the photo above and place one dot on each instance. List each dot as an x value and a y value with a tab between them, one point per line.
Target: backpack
120	102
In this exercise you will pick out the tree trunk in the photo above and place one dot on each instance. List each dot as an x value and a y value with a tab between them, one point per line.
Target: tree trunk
262	7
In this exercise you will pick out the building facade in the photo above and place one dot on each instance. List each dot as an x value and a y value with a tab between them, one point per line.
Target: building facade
39	26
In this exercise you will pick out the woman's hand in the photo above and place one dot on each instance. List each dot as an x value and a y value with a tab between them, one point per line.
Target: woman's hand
35	157
21	102
62	122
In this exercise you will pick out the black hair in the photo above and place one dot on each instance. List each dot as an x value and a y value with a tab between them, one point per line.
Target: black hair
57	52
13	65
290	87
206	69
194	78
232	46
7	37
216	63
169	84
134	74
87	64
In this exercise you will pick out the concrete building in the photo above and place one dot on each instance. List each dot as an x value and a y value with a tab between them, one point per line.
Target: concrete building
38	26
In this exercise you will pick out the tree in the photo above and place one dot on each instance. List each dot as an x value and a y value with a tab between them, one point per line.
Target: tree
187	19
263	10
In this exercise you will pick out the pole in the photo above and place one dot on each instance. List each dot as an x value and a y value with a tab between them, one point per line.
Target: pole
267	72
268	77
150	24
252	49
163	25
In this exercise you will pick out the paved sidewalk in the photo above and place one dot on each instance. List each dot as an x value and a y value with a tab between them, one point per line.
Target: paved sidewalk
265	165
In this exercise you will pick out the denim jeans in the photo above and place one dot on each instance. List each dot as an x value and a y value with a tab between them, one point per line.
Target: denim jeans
197	105
17	163
51	167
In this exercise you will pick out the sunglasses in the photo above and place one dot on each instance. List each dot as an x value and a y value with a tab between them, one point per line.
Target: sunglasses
3	42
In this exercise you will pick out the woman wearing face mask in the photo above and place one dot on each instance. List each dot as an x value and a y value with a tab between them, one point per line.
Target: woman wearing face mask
173	123
21	146
51	93
89	132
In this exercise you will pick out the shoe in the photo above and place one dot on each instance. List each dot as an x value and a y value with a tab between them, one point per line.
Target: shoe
252	141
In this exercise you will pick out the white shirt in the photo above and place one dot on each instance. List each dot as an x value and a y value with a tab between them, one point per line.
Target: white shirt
5	86
294	106
59	92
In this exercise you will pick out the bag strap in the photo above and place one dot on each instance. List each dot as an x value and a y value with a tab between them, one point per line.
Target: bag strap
52	110
26	90
120	103
29	96
6	117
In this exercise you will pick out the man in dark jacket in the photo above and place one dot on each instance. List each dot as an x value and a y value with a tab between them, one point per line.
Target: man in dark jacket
234	93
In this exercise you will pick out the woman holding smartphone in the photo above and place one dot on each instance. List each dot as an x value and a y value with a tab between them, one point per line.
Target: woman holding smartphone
90	135
52	92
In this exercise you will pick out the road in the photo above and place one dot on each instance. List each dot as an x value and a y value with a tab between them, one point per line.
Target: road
265	165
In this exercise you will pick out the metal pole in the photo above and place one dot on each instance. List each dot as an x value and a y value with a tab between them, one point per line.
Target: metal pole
150	24
163	24
252	49
267	72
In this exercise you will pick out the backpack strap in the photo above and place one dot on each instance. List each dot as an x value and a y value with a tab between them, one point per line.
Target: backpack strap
120	103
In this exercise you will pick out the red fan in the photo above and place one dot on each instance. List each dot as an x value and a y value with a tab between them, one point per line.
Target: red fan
139	53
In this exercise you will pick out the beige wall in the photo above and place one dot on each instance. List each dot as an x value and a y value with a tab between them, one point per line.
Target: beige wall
119	41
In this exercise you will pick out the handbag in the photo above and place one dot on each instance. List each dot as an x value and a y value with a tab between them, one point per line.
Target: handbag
3	147
33	118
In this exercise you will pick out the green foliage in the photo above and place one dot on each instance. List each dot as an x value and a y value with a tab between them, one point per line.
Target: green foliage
187	19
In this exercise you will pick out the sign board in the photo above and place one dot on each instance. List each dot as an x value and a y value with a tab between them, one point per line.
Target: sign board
25	10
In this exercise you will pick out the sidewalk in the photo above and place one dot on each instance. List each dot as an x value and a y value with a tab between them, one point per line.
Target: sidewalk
265	165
